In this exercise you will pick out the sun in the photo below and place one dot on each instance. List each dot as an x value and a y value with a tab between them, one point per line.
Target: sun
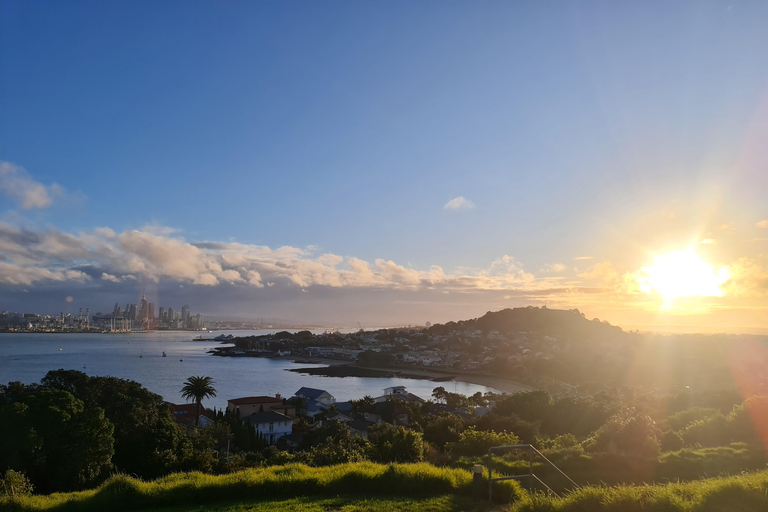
682	274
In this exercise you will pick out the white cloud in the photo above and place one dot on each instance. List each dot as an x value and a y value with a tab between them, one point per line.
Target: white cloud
17	183
553	267
459	204
762	224
51	255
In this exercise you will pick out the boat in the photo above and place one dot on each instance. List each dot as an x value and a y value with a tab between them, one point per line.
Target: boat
164	355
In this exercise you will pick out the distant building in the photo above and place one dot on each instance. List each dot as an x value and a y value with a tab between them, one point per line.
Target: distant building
318	395
249	405
184	414
272	425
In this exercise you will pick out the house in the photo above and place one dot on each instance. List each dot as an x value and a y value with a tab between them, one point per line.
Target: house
337	416
318	395
253	404
399	393
391	411
184	414
359	428
272	425
394	390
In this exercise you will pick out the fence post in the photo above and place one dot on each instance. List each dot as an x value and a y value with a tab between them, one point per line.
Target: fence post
477	481
490	477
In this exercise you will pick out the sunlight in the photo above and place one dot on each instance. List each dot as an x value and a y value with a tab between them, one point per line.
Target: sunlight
682	274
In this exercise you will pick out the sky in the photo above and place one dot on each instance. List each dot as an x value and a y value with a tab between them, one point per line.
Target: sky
387	163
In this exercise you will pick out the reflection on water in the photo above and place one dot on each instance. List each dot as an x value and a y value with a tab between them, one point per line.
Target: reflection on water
28	357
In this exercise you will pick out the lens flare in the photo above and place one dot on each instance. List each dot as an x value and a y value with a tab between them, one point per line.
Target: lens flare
682	274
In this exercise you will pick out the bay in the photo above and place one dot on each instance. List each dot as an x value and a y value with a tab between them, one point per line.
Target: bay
27	357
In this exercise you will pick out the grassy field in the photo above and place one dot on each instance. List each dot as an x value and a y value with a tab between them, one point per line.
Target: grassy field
387	482
742	493
348	504
388	488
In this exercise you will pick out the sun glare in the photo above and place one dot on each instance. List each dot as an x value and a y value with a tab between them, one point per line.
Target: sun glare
682	274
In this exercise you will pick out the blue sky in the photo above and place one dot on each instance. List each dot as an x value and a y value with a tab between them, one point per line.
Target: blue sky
609	131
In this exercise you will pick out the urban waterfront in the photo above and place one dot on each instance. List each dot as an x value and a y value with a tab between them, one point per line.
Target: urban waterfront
28	357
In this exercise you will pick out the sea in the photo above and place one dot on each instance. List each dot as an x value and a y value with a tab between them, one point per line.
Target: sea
27	357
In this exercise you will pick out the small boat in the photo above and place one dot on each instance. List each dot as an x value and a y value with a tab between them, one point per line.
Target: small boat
164	355
142	354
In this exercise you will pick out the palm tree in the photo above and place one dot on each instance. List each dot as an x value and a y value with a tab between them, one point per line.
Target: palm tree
198	388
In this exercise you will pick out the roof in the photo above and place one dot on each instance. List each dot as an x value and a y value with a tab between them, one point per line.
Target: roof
408	397
186	413
254	400
311	392
267	417
344	406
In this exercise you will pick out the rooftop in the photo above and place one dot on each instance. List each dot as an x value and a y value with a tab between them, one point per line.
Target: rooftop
255	400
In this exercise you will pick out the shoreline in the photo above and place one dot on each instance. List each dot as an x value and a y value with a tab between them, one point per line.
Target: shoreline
491	381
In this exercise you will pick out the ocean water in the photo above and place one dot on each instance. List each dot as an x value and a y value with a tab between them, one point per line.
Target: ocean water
27	357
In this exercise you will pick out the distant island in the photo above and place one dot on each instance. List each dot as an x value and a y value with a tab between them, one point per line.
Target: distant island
558	350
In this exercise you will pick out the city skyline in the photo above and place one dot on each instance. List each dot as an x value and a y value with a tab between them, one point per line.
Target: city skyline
388	164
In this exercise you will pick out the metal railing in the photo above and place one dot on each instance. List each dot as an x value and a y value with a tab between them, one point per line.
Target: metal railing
530	476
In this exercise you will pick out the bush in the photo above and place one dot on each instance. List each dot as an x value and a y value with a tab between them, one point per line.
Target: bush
391	443
671	441
682	419
14	484
627	432
477	442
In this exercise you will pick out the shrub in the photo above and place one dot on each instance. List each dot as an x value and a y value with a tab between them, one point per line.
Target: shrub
627	432
393	443
684	418
14	484
477	442
671	441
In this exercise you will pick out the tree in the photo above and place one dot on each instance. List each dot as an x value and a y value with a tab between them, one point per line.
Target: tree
53	439
148	443
198	388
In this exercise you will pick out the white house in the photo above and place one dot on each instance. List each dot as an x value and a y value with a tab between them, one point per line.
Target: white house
272	425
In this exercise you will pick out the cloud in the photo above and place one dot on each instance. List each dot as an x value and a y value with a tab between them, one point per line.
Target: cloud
16	182
581	258
110	278
763	224
157	255
459	204
553	267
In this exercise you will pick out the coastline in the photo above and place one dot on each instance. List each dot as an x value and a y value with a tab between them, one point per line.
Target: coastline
490	381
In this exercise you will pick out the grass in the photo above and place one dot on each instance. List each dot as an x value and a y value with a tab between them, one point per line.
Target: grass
347	504
123	493
742	493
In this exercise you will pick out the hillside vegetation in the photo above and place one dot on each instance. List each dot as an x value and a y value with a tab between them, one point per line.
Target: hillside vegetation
123	493
383	488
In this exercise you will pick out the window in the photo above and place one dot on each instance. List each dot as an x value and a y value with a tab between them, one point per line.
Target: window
271	427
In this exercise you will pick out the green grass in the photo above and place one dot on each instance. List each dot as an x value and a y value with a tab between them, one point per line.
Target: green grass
347	504
743	493
122	493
